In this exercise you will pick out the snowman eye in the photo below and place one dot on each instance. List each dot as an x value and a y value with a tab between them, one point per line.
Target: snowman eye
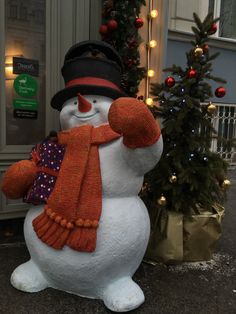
94	101
75	102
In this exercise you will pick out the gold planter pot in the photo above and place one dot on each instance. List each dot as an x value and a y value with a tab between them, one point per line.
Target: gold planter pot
179	238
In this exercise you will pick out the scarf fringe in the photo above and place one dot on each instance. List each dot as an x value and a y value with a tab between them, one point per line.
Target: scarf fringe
50	232
83	239
56	232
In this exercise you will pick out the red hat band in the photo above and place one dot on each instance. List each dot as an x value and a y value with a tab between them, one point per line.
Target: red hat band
92	81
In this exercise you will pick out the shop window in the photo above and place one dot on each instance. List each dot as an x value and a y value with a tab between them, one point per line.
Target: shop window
25	78
39	16
181	11
13	11
23	13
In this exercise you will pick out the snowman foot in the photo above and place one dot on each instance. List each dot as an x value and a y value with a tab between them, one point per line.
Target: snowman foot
123	295
28	278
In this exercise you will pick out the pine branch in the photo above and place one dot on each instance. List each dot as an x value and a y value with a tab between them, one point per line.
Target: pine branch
214	56
216	79
198	21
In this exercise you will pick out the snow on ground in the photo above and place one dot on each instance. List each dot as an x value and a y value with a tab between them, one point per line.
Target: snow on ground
220	263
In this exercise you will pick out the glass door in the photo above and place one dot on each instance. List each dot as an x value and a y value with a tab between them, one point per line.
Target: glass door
25	64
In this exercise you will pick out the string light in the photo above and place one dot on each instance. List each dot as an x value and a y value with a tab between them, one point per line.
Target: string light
154	14
151	73
152	43
149	101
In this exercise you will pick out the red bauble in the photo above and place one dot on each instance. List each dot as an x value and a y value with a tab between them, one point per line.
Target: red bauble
205	48
213	29
103	29
191	73
220	92
170	81
130	63
112	25
138	22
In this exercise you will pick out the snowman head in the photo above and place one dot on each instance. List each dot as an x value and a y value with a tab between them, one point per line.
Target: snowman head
90	68
88	109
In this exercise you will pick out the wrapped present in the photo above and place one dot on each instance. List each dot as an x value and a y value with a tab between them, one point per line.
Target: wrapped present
185	238
48	157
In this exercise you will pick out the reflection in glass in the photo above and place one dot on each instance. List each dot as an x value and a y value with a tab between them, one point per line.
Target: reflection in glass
25	37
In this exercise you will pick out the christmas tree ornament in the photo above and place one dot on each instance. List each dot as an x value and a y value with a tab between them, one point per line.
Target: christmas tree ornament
138	23
169	81
173	179
75	176
226	184
205	48
213	29
211	108
112	25
198	52
162	201
191	73
220	92
103	29
129	63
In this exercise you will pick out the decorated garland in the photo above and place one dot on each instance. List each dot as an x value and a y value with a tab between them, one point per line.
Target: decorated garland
119	28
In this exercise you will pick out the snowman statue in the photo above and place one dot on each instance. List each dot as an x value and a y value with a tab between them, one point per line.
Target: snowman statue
87	230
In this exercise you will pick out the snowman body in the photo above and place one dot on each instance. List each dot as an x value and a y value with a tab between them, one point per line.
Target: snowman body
123	231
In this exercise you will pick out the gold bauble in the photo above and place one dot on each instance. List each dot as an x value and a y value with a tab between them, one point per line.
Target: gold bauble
226	184
173	179
198	52
162	201
211	108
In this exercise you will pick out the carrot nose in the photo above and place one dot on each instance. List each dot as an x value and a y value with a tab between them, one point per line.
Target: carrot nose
83	104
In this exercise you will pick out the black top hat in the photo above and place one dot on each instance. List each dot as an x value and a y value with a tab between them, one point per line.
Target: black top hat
92	68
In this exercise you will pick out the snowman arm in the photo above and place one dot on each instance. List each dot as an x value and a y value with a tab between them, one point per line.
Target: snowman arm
142	160
132	119
18	178
142	143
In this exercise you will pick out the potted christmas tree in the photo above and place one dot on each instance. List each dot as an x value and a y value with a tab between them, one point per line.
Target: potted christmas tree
185	192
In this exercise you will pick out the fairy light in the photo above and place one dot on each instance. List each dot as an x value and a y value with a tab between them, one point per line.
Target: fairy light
154	14
149	101
151	73
151	43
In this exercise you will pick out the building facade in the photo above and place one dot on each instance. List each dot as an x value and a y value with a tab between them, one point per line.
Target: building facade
39	32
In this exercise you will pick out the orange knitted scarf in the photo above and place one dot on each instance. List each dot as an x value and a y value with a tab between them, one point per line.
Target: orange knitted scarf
71	216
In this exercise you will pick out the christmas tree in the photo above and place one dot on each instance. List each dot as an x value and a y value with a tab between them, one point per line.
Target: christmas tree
189	176
119	28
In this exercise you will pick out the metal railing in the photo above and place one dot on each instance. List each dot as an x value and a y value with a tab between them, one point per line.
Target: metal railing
224	122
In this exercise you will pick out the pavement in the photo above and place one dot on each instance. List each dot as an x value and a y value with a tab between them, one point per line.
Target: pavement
191	288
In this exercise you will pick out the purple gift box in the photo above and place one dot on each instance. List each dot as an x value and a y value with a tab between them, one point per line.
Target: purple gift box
48	156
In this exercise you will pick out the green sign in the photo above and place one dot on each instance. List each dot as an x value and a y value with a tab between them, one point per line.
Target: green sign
29	104
25	85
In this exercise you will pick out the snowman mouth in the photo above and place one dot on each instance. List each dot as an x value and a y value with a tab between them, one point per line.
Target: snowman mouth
85	117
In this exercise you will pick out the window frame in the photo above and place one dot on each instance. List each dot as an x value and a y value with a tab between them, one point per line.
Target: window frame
217	7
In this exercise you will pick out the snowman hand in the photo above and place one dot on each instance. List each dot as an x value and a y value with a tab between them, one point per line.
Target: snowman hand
18	178
132	119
